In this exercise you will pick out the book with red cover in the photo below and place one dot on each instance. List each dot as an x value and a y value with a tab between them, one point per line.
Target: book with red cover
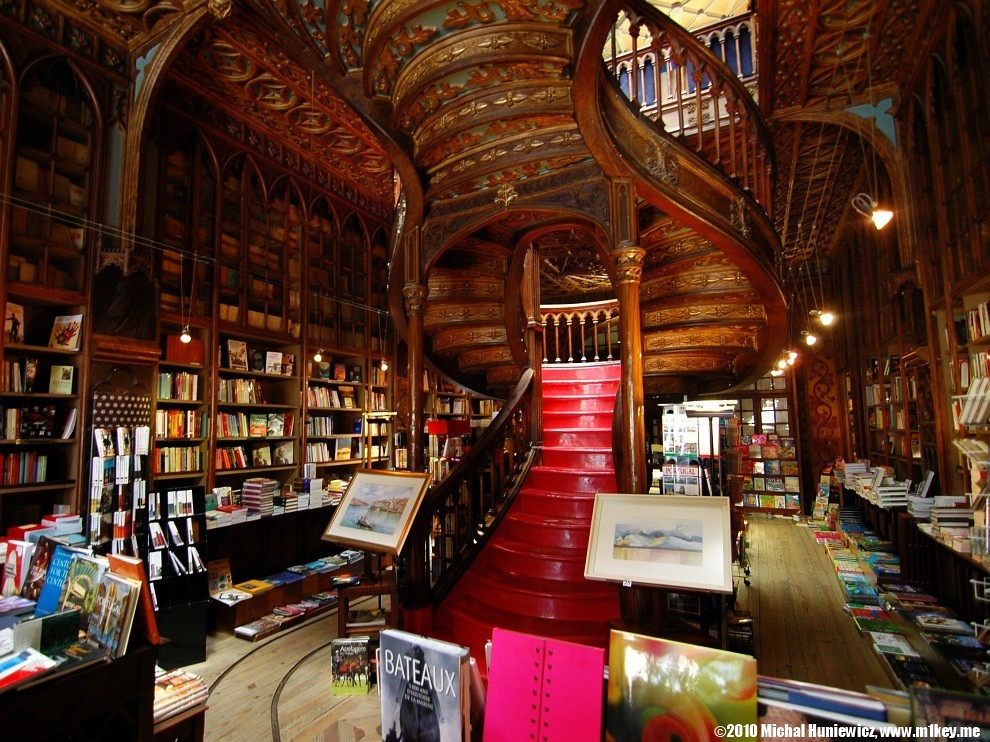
129	566
537	679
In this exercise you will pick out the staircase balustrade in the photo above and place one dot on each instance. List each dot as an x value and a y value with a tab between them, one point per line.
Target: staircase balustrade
689	84
581	333
459	513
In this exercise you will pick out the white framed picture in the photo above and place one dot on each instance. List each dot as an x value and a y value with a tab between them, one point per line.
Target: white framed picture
669	541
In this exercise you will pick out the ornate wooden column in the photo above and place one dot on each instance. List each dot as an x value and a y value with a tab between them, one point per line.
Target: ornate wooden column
417	613
534	339
627	257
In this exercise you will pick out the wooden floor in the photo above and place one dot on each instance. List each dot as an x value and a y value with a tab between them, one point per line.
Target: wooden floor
279	689
802	632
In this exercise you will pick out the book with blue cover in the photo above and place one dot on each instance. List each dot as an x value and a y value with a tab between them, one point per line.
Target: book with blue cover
58	570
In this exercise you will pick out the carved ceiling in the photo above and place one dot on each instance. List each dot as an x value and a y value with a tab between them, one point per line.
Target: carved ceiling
570	268
246	71
828	56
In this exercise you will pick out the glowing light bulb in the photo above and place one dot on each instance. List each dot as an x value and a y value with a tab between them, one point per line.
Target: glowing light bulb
792	355
810	339
826	318
790	361
881	218
776	372
318	355
384	365
185	337
782	364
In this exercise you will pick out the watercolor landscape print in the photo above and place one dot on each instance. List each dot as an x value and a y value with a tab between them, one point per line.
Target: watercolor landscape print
660	540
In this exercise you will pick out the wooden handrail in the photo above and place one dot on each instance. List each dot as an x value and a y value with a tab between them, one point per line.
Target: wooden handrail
471	500
735	138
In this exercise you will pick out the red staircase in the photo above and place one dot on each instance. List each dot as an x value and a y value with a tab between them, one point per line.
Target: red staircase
530	576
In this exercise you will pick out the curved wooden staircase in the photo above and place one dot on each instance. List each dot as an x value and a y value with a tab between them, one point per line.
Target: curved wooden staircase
530	576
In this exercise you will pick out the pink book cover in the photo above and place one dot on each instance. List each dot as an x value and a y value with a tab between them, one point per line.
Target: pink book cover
515	682
532	684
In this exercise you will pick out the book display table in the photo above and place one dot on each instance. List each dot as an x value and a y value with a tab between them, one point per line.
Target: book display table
113	700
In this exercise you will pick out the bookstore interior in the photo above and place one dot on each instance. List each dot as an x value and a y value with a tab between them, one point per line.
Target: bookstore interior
496	369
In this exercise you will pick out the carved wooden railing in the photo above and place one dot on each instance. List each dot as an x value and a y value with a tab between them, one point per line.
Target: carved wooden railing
579	333
459	513
732	134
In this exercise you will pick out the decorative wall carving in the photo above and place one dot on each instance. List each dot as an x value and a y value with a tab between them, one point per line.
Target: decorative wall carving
823	410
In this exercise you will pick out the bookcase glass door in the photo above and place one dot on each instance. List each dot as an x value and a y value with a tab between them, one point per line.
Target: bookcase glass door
768	446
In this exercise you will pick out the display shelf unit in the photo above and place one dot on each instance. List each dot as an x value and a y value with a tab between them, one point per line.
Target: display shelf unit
338	396
183	393
257	410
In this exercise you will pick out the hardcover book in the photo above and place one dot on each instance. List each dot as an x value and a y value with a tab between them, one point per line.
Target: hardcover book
424	688
66	332
113	613
82	584
13	323
60	381
133	568
659	689
349	666
58	570
237	355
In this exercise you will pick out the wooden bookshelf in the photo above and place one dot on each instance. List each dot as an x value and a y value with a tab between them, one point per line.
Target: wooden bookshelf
46	260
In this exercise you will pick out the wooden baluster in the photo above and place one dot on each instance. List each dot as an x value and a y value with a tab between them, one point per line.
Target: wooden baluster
545	359
556	337
732	139
699	77
594	323
745	153
584	357
718	125
657	60
681	77
608	335
570	340
634	67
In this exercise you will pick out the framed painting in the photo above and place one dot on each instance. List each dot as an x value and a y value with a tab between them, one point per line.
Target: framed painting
668	541
377	510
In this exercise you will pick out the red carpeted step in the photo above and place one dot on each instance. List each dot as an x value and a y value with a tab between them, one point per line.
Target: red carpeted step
561	479
576	457
539	530
469	623
545	562
557	504
563	387
572	403
556	419
569	435
549	599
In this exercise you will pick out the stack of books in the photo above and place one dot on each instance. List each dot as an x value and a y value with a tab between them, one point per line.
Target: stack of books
258	495
920	507
177	691
892	494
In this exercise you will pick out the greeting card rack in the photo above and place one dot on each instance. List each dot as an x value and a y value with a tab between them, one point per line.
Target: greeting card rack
121	424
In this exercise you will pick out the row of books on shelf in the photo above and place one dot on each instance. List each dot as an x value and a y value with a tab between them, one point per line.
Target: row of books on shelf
342	397
897	389
771	484
176	459
976	322
34	421
255	424
20	377
239	358
181	424
241	391
23	467
973	407
784	450
789	501
337	449
179	386
342	372
66	330
265	454
788	467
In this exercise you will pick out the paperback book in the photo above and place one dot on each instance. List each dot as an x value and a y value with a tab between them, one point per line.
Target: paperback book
350	666
424	688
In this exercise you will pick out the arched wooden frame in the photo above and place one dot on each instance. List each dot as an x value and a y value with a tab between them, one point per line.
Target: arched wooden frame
352	224
211	162
322	310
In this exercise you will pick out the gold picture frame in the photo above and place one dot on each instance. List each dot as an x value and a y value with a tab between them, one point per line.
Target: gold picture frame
675	541
377	510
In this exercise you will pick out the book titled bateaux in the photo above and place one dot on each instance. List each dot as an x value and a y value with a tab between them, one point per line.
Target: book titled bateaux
424	688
